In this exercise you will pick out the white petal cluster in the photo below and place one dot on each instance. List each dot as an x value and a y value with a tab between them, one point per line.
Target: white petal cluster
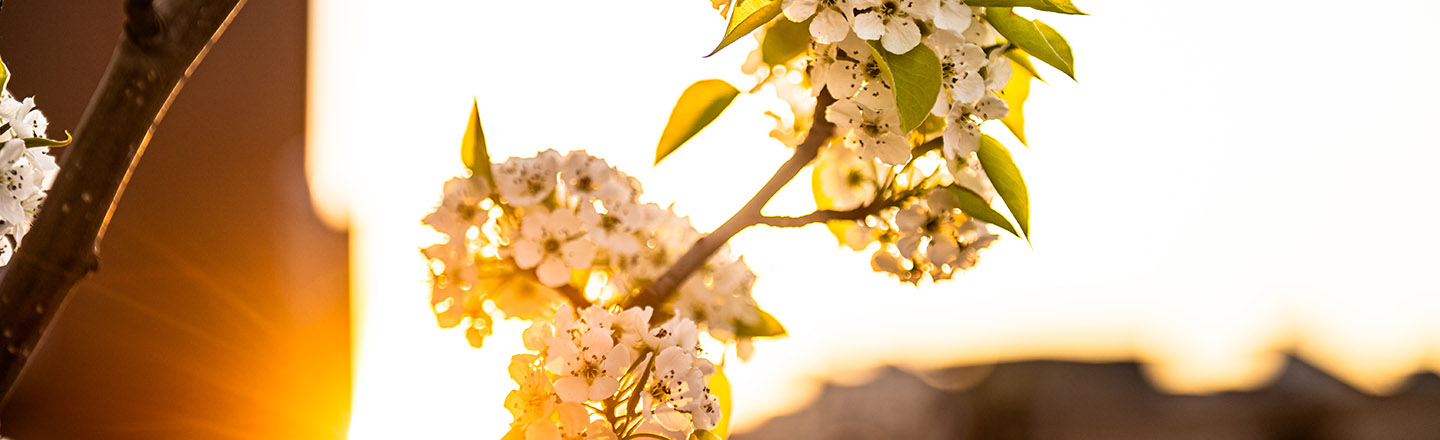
568	224
876	160
26	173
616	361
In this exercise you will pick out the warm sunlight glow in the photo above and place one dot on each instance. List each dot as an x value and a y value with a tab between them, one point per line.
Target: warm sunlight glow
1203	254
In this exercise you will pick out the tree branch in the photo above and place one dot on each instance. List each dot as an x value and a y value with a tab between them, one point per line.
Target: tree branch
162	43
828	214
664	286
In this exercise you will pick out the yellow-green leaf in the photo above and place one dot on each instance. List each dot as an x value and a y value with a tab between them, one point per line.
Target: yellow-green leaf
765	326
914	77
698	106
1061	6
975	206
701	434
1037	38
42	142
784	40
4	74
1005	176
1015	93
745	17
472	147
720	387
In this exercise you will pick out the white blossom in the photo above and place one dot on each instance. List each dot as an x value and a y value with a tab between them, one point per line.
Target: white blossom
893	22
460	210
962	139
552	243
527	181
873	131
960	79
587	361
846	180
832	17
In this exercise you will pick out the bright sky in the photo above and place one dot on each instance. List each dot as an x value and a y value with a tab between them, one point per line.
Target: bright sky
1221	183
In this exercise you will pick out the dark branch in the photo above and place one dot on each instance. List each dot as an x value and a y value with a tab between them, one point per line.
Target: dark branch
664	286
162	43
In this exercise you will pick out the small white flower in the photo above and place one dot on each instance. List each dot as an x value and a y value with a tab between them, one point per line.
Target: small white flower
960	79
832	17
535	397
893	21
615	229
962	139
846	180
997	72
589	366
584	175
552	243
460	210
527	181
872	131
574	424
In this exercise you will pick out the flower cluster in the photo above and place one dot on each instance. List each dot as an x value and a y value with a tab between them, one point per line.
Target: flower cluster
569	228
26	169
606	375
901	178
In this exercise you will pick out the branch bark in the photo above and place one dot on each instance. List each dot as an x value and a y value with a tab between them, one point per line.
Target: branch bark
162	43
664	286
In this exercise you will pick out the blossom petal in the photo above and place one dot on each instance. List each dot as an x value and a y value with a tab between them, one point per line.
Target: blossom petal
892	148
578	254
526	252
552	272
616	361
953	15
869	26
572	389
798	10
843	79
603	388
829	26
844	114
901	35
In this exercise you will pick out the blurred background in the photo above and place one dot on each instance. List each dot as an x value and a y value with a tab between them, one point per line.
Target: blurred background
1232	225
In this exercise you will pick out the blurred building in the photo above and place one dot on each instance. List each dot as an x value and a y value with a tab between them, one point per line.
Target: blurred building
1069	400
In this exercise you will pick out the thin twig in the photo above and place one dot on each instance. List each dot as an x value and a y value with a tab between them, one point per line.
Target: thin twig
162	43
664	286
827	215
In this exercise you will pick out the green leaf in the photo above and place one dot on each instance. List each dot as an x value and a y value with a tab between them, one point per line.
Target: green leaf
1022	60
701	434
767	326
472	147
745	17
784	41
42	142
698	106
1037	38
1015	93
915	78
4	74
1061	6
1005	176
975	206
720	388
